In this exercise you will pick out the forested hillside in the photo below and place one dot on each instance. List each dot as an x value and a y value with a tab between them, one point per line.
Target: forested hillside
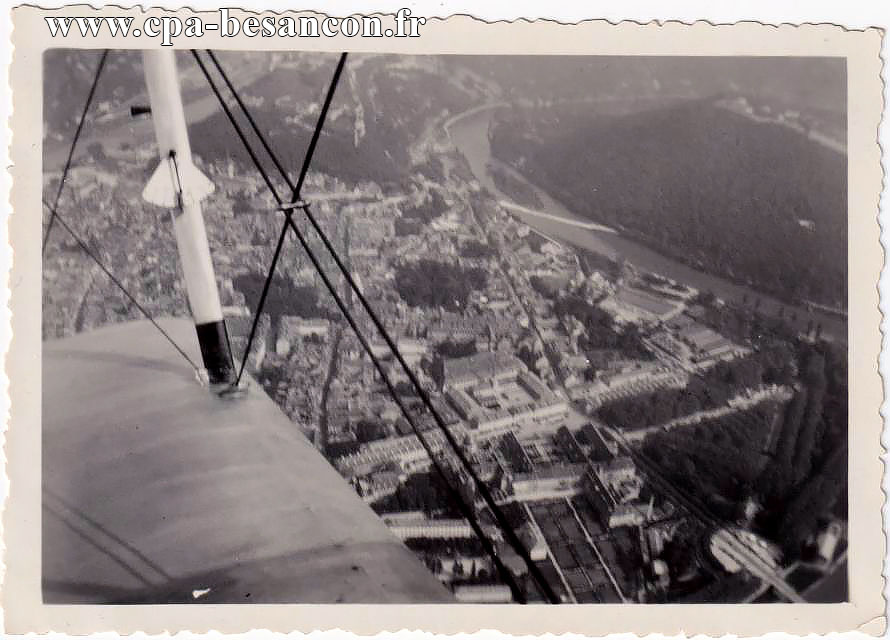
381	126
756	202
384	123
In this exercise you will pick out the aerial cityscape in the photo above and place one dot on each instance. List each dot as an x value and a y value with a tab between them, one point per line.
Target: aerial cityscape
602	271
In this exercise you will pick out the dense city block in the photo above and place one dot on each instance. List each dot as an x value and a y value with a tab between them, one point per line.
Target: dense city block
650	438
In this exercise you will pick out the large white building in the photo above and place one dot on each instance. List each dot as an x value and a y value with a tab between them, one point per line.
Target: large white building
555	481
444	529
495	393
483	593
630	305
407	452
645	379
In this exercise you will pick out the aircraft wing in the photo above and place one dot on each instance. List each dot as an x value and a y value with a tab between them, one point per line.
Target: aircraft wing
156	490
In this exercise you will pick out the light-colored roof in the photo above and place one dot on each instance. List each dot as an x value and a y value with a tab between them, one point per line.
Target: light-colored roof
645	301
483	365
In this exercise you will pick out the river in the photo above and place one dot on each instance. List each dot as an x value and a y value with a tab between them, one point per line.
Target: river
470	135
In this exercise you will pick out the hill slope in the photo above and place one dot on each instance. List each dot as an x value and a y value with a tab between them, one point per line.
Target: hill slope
750	201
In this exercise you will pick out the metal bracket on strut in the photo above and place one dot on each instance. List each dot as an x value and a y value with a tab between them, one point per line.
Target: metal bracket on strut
222	389
286	206
232	390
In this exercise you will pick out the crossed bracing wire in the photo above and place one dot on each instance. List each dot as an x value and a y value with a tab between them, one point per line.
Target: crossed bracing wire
288	209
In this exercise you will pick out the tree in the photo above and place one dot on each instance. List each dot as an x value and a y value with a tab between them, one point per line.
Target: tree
430	283
816	497
706	298
814	378
780	476
760	182
475	249
241	204
528	357
747	373
289	298
428	210
97	152
778	363
369	430
405	388
453	349
405	227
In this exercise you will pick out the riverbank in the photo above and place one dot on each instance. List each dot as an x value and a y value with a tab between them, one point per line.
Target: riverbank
593	226
469	134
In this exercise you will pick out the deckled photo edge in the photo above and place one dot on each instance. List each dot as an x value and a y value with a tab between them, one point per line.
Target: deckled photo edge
22	600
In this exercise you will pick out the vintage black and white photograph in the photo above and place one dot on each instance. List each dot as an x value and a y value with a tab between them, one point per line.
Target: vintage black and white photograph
389	328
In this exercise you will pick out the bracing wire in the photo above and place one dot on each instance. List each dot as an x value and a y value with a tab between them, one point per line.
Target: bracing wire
295	188
466	510
316	134
247	114
77	132
503	523
120	285
269	184
270	275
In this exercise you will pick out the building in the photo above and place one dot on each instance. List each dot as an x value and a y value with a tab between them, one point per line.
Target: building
428	528
514	453
631	382
827	541
292	328
495	393
640	307
239	329
412	349
407	452
569	446
596	448
483	593
555	481
377	485
706	343
619	476
484	330
462	372
731	547
628	514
